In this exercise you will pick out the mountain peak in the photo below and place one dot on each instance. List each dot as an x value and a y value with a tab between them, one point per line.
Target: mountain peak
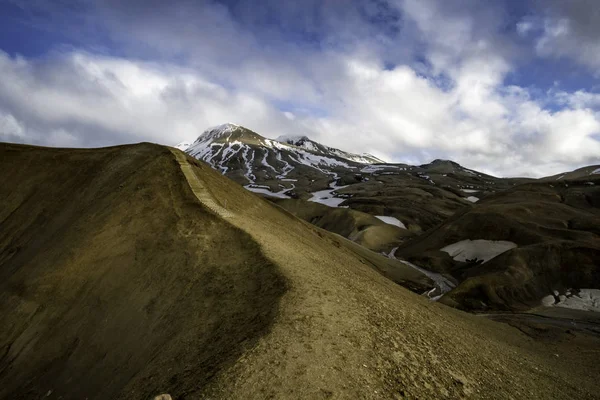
228	131
227	124
439	161
223	128
296	140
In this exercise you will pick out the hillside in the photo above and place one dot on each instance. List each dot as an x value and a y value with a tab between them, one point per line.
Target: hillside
514	248
132	271
107	262
362	228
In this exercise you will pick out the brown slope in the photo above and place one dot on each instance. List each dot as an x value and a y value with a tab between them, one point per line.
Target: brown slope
108	265
344	331
341	330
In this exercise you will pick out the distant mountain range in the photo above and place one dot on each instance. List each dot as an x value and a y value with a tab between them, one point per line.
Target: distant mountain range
296	166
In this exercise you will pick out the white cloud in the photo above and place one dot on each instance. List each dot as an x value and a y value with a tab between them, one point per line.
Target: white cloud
524	27
10	127
478	124
580	99
566	29
105	100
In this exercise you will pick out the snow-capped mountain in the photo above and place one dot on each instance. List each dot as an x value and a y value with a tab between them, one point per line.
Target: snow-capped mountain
310	145
280	167
183	146
301	168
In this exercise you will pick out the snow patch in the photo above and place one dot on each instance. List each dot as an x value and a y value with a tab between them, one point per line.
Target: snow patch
327	196
248	163
262	190
582	299
477	249
286	166
228	153
265	163
426	177
391	221
372	168
472	199
442	284
596	171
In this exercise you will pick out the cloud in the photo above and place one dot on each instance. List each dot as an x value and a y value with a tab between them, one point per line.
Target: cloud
566	29
524	27
405	80
89	100
10	127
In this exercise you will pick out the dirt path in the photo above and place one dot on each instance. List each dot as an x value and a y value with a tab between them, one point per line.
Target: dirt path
200	190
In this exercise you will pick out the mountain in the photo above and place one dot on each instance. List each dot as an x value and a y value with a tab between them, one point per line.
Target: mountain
312	146
269	166
585	173
135	271
397	210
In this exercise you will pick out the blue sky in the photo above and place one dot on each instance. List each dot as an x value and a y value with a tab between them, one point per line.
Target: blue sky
507	87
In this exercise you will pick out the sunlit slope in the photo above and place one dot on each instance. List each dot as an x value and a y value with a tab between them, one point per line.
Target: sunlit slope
344	331
117	282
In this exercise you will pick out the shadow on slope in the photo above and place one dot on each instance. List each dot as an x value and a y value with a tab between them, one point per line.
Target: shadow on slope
115	282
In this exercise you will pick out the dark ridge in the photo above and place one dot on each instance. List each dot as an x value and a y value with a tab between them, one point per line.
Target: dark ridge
115	282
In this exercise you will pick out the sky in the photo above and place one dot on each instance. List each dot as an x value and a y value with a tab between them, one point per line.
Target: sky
507	87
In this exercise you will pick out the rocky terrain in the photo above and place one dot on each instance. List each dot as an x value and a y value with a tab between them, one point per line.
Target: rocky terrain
136	271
